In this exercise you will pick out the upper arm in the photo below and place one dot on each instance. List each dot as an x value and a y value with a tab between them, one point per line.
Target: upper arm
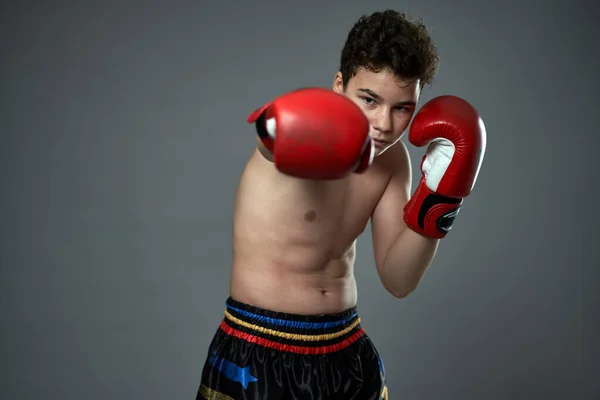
387	221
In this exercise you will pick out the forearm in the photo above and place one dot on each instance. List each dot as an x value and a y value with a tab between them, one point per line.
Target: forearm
406	261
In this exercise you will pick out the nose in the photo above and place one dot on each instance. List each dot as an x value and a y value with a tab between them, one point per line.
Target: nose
383	121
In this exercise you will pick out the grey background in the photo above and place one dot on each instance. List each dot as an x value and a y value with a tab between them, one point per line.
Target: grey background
122	139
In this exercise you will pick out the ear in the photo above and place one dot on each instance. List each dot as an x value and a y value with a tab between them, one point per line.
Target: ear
338	83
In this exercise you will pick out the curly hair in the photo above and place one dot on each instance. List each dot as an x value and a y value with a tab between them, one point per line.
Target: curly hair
389	39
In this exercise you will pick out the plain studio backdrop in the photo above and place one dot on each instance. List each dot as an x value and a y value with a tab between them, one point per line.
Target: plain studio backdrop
122	140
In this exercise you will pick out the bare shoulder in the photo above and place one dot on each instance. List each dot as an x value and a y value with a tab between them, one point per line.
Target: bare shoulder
395	162
387	218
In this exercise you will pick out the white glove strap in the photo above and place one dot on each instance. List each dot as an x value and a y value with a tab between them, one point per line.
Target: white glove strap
437	159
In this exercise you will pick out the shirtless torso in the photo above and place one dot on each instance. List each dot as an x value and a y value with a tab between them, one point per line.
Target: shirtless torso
294	240
291	327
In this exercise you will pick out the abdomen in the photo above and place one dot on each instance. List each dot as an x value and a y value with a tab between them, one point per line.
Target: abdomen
293	239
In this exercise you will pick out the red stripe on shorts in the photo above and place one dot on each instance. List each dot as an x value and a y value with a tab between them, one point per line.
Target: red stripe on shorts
292	348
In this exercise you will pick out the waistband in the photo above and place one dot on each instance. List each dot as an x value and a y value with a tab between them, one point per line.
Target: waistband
302	334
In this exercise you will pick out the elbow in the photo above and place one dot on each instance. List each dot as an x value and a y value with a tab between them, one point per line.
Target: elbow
400	292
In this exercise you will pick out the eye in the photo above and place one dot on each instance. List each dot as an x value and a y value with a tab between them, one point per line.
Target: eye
403	109
369	101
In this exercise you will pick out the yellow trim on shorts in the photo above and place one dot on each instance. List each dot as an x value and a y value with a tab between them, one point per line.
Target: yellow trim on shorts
293	336
384	394
210	394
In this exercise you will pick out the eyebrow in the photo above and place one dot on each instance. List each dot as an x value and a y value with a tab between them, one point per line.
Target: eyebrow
378	97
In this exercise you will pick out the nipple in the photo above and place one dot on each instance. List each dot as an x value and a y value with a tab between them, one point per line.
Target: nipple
310	216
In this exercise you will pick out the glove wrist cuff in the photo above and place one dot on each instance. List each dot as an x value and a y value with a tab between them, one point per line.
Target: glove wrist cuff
431	214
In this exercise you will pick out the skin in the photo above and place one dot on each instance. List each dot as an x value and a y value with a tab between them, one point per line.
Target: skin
294	240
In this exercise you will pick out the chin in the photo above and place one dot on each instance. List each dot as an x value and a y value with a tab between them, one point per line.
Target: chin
380	151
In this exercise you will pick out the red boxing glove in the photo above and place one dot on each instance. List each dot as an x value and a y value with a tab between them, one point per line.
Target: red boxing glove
315	133
456	137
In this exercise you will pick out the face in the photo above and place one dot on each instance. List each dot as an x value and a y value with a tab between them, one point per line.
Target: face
387	101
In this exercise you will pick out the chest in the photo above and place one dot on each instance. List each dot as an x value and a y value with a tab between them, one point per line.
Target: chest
339	210
308	212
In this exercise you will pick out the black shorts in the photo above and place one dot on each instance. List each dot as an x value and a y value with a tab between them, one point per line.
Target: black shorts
259	354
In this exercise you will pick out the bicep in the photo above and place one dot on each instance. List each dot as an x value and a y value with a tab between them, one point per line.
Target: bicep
387	220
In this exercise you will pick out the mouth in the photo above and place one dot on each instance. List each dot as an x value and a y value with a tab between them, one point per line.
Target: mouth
380	143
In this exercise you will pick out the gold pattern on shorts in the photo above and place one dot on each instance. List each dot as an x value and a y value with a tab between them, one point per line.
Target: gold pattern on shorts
210	394
384	394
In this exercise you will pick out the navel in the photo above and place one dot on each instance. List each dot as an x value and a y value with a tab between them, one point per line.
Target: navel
310	215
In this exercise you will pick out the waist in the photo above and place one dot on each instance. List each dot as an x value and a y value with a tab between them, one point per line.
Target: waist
282	288
305	334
